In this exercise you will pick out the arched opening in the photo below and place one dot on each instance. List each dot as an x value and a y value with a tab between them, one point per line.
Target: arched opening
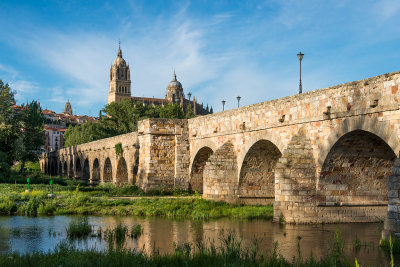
71	169
60	168
107	173
54	168
122	171
96	170
135	170
65	171
199	162
257	175
78	168
86	171
356	170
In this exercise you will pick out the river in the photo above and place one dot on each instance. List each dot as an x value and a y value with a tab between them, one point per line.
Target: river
26	234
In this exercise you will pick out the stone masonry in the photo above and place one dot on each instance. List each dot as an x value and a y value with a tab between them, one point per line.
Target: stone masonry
320	156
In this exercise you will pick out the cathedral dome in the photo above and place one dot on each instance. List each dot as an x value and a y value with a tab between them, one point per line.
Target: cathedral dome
174	83
119	61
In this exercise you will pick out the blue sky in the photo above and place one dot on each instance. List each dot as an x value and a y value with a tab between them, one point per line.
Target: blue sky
59	50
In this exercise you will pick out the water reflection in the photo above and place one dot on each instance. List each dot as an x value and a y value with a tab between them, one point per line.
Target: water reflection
26	234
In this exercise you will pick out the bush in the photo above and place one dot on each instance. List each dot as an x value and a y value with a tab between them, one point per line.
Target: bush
7	206
48	207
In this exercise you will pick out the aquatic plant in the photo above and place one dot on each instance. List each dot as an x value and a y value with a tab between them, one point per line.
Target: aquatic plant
136	231
79	228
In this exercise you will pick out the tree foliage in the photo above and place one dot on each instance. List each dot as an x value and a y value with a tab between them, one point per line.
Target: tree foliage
119	118
8	121
30	137
21	130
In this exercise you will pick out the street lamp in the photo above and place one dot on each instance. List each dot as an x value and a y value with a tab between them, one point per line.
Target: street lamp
189	95
223	105
300	56
238	99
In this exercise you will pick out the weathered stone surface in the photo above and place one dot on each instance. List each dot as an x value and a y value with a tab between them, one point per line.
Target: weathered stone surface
315	167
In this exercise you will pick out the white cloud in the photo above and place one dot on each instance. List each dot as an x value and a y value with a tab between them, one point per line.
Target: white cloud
25	90
247	56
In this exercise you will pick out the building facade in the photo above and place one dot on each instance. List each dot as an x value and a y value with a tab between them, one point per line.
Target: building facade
120	88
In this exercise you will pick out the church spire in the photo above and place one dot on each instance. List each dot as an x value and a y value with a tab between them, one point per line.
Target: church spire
119	49
174	76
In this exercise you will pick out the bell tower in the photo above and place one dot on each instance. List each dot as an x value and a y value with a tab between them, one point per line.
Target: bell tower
120	79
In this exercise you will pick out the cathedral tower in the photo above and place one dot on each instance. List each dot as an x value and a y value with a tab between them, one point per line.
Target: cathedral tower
68	109
174	91
120	79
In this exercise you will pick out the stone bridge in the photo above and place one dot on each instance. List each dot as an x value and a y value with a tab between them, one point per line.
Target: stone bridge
321	156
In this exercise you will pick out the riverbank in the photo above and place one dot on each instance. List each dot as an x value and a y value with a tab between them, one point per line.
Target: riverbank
99	200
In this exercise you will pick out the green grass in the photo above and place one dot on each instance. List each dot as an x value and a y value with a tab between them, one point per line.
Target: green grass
75	197
71	200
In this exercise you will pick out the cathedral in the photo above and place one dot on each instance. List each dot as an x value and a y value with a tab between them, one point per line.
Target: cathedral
120	88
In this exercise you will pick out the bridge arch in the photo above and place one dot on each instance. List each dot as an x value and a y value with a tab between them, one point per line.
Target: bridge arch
86	170
65	169
199	145
198	165
96	171
382	129
256	137
122	171
135	169
54	168
78	168
71	169
60	168
356	170
107	171
257	172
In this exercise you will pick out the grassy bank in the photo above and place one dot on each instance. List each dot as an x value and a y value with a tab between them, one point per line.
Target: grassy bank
76	197
231	253
14	201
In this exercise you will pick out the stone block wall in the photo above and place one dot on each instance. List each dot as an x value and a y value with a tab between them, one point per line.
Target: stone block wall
164	154
392	220
220	175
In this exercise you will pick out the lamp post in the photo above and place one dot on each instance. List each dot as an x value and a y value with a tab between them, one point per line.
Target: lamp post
223	105
300	56
238	99
189	95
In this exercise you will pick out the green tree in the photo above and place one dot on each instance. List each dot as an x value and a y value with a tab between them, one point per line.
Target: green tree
118	118
8	122
31	135
4	166
87	132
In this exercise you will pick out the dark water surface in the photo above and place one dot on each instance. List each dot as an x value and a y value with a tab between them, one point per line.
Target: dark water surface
26	234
